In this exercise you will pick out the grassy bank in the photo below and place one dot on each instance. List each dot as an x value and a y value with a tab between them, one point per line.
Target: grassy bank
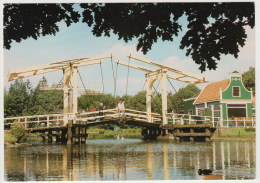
9	138
99	133
236	133
93	132
105	133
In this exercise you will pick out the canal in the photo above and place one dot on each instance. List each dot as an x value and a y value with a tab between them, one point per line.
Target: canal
130	159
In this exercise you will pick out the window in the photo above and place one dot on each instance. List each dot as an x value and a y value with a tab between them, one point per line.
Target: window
236	110
236	91
201	112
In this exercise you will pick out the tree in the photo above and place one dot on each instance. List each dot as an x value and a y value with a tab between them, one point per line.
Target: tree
249	79
138	101
16	99
45	101
213	28
22	21
183	93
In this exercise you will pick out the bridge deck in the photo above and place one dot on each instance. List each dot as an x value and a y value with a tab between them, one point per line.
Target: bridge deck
56	121
179	125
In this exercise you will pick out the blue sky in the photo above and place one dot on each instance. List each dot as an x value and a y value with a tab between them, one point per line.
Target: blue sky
77	41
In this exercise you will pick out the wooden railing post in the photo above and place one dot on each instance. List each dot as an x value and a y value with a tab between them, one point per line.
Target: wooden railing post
244	122
38	120
70	122
25	122
212	115
48	121
236	123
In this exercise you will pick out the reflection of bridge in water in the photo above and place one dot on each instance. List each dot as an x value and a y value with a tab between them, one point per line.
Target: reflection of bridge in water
71	126
116	161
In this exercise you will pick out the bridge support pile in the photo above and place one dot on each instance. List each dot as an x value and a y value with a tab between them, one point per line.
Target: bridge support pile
191	132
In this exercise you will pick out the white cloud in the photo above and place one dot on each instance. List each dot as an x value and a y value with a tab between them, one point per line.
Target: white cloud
134	85
248	51
185	64
121	51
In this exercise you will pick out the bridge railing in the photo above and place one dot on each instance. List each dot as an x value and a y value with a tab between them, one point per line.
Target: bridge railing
112	113
53	120
37	121
96	115
174	118
142	116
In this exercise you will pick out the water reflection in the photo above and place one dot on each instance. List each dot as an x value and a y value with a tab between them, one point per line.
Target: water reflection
130	160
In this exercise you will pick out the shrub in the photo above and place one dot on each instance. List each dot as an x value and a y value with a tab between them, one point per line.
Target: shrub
19	132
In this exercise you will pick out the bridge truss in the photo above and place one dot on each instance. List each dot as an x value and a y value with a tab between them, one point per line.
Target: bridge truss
161	75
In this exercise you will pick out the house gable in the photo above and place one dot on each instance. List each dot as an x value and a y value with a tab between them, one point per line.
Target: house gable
236	89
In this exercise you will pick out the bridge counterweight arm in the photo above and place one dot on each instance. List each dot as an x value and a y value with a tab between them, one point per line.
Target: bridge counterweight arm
199	79
51	67
134	66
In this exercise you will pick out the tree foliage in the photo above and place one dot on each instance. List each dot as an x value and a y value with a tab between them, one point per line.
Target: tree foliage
19	132
16	100
249	79
213	29
22	21
183	93
21	99
45	101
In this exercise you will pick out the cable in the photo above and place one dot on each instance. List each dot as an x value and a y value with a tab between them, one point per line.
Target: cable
102	77
82	81
115	81
172	85
144	85
127	76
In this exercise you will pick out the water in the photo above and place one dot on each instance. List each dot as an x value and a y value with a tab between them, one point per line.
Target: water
130	159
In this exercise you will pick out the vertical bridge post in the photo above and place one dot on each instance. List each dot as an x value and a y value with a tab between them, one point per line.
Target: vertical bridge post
66	94
150	79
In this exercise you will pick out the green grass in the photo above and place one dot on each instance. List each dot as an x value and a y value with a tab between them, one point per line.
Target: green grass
8	137
237	133
125	132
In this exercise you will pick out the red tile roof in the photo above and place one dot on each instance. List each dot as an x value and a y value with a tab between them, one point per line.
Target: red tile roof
211	91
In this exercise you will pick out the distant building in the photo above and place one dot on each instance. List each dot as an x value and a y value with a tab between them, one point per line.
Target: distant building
227	99
81	91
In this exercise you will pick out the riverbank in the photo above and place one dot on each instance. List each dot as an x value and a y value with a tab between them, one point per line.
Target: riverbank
10	139
94	133
97	133
234	134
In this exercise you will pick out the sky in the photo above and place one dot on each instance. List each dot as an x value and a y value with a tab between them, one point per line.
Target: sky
77	41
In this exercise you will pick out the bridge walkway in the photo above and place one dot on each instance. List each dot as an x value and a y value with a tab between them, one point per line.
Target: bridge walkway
180	126
56	121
